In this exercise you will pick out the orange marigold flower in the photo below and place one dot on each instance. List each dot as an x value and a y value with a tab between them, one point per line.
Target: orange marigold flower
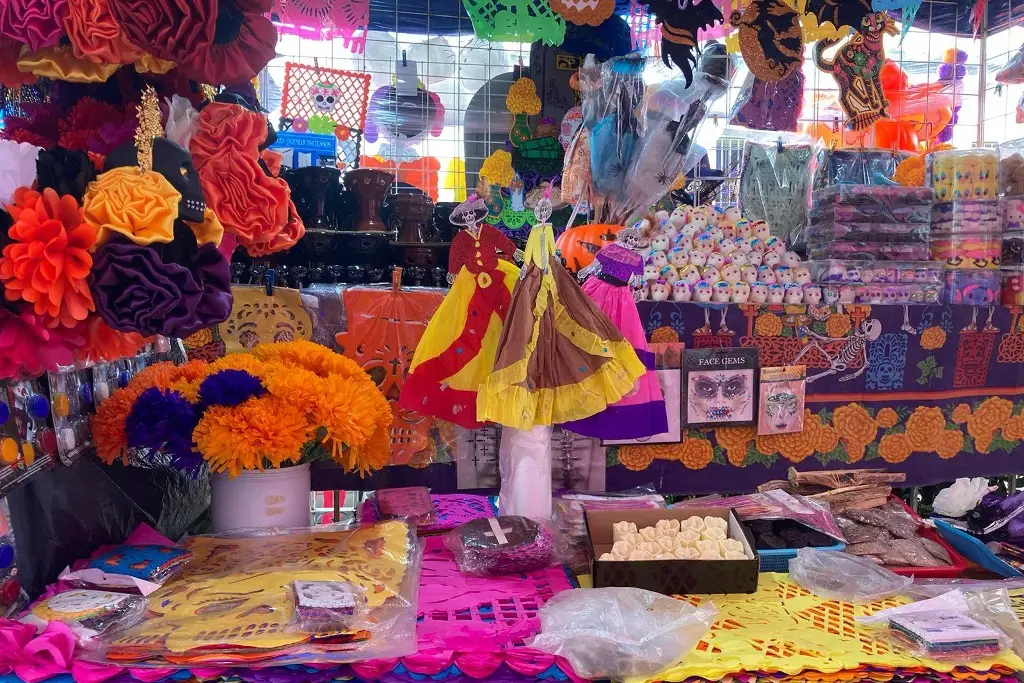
886	418
190	390
636	457
961	413
239	361
47	261
894	448
313	357
951	442
767	444
828	439
735	438
697	453
194	370
838	325
798	446
924	427
108	424
854	451
301	388
768	325
853	423
199	339
990	416
159	375
372	456
664	335
933	338
1013	430
260	432
349	412
982	443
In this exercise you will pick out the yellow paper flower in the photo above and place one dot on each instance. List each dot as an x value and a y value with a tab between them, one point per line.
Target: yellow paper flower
140	206
522	97
886	418
933	338
838	325
894	448
768	325
258	433
497	168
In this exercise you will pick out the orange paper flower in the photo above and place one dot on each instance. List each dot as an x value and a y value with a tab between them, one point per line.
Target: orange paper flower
48	260
140	206
768	325
108	424
103	342
636	457
924	426
259	433
951	442
933	338
696	453
838	325
95	34
894	448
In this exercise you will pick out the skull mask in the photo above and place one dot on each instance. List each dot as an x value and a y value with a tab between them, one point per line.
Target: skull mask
174	163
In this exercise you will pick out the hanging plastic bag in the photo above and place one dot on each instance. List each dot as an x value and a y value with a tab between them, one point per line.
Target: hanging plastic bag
962	497
618	633
1013	72
524	462
850	578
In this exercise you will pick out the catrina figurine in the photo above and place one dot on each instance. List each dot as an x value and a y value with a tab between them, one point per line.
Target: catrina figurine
771	39
857	68
680	20
839	13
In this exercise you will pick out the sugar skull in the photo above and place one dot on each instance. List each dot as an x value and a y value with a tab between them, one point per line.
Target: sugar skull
847	294
722	292
740	293
716	260
748	274
660	290
744	230
739	258
668	273
759	293
791	259
680	217
690	275
726	246
651	272
831	295
702	291
700	218
812	294
679	257
662	216
661	242
705	242
325	96
660	259
794	294
771	259
766	275
755	258
1013	288
716	233
836	272
776	245
872	294
743	245
761	230
731	216
916	293
757	245
867	275
852	274
698	258
776	294
710	274
681	291
643	292
801	276
1013	213
730	273
683	241
784	275
901	293
930	295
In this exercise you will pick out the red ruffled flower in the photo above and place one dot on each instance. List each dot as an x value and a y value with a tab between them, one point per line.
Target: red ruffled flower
169	29
10	75
36	23
243	44
92	125
31	348
96	36
48	260
103	342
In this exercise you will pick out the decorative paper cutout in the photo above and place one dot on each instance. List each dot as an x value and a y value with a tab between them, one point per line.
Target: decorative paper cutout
584	12
257	318
771	39
352	93
680	21
839	13
522	103
857	68
325	20
515	20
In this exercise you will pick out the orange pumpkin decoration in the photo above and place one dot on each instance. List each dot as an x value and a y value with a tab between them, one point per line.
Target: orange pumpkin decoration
579	245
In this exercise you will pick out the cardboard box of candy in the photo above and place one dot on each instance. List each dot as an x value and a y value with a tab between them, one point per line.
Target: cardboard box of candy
688	559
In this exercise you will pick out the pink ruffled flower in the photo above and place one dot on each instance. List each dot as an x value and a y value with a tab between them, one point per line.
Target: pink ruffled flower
32	657
37	23
30	348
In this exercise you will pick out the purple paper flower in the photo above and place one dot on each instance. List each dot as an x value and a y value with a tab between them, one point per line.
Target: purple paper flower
164	420
135	291
229	388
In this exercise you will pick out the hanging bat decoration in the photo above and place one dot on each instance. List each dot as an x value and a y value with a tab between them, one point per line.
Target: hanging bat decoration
771	39
839	13
680	21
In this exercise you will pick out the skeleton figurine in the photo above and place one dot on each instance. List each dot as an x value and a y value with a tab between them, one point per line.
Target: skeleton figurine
856	347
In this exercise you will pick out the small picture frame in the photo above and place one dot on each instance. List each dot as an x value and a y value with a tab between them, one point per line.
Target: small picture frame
781	405
720	387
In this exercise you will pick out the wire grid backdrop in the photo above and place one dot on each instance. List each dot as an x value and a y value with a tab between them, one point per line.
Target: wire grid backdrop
459	68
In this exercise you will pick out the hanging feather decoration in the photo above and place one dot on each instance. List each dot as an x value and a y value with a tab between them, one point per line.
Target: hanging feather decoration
680	21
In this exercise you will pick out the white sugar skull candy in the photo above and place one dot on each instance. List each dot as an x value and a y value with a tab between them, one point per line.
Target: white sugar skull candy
783	275
691	232
710	274
791	259
836	273
740	293
776	294
755	258
867	275
660	259
681	291
668	273
757	244
726	246
680	217
748	274
874	294
801	276
728	232
759	293
661	242
716	260
730	272
679	257
705	242
739	258
852	274
643	292
831	295
761	230
776	245
698	258
794	294
812	294
731	215
325	96
771	259
900	293
662	216
651	272
915	294
716	233
699	218
722	293
766	275
742	245
683	241
660	290
702	291
690	275
744	230
847	294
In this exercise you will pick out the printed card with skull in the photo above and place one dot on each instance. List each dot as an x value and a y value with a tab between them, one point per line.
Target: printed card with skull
720	386
783	390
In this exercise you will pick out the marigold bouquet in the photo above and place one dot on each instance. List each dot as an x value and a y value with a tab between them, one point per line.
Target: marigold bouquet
284	404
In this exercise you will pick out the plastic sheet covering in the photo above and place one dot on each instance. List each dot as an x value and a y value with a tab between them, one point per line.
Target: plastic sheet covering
64	514
524	462
838	576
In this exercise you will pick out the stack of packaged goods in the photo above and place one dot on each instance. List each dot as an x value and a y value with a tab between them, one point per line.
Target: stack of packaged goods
967	223
1011	187
869	244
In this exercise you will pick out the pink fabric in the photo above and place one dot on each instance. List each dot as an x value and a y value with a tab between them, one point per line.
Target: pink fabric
37	23
34	657
617	303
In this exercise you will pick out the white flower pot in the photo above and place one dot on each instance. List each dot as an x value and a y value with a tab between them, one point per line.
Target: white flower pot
259	500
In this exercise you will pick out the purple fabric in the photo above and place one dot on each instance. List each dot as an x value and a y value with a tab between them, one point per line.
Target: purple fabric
634	421
620	263
772	106
212	273
135	291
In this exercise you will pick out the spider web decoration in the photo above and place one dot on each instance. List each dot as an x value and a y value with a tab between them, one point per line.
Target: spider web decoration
325	20
350	106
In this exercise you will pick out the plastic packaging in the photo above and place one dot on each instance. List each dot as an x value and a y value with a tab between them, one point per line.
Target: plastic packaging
962	496
524	463
839	576
864	231
775	186
967	217
972	287
1012	286
881	251
770	105
882	272
855	167
1011	168
851	293
90	614
1013	249
411	503
327	607
616	633
968	252
963	174
569	508
138	569
1013	72
507	544
774	505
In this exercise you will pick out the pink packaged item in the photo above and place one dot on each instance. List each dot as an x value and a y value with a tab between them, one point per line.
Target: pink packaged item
775	504
411	503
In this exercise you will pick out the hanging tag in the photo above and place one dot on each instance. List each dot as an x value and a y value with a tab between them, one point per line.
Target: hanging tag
406	77
716	120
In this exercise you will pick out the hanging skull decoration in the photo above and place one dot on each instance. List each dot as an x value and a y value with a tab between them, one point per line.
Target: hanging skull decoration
325	96
174	163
